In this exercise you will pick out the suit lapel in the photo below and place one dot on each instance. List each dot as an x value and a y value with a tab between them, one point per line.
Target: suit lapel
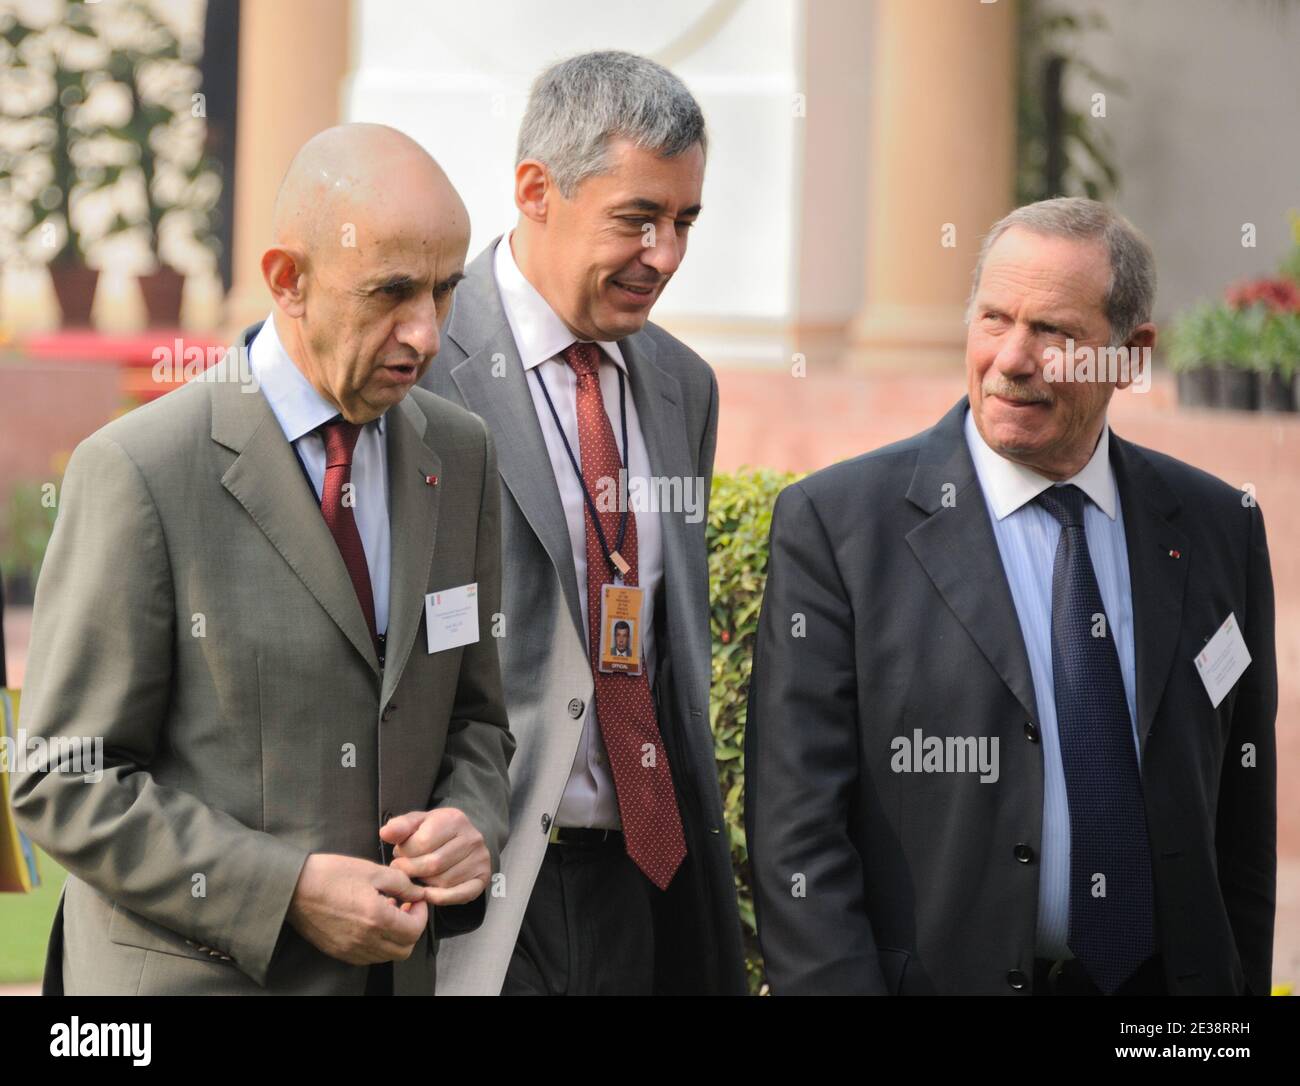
413	526
658	399
492	382
1158	580
959	552
267	480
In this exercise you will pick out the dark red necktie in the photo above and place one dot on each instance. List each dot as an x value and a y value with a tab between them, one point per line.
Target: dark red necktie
647	802
340	516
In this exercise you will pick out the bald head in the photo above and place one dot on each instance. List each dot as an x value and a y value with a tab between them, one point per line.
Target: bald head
369	240
353	168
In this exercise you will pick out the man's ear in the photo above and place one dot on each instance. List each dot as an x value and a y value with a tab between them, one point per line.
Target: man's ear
283	268
532	189
1140	345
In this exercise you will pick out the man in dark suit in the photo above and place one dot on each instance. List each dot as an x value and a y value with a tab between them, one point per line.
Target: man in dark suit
617	878
981	757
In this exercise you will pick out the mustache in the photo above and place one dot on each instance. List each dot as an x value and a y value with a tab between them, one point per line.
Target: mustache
403	360
1008	390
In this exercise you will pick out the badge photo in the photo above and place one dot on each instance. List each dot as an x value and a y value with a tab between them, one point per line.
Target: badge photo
620	629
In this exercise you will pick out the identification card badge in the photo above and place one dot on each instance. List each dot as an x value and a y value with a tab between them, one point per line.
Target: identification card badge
451	617
1223	660
620	629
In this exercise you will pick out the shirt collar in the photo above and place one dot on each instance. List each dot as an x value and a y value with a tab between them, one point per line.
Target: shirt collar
539	334
297	406
1009	485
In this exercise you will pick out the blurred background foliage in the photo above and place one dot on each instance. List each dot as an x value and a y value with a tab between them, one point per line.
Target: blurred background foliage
740	518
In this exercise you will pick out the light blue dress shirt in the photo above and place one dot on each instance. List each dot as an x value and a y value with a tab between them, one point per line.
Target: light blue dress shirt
1027	536
300	409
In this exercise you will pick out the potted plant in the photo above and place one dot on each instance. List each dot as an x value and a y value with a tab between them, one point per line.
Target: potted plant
50	70
1266	304
1279	347
74	280
1288	330
1293	337
1236	338
164	137
1190	356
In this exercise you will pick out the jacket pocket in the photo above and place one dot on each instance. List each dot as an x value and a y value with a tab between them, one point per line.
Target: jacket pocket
129	929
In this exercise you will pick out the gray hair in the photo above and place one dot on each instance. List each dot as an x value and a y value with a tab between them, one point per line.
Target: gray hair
1132	288
578	105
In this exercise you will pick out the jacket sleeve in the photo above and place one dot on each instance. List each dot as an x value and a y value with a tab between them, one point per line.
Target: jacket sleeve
474	775
801	767
1246	831
100	672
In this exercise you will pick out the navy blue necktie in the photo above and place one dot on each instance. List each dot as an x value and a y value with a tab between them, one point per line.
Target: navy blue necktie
1111	929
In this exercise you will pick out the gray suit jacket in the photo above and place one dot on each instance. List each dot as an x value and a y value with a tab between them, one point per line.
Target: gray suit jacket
543	656
922	884
195	613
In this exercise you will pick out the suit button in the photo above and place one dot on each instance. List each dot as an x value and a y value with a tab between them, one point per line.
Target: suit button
546	823
1017	980
1031	731
575	707
1024	853
389	710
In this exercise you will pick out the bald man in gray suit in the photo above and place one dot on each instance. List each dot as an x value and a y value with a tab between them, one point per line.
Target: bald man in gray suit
304	787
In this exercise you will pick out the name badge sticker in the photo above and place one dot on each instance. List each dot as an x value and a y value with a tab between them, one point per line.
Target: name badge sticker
451	617
1223	660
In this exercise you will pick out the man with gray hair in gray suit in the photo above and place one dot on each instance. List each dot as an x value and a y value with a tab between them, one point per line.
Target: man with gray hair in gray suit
617	878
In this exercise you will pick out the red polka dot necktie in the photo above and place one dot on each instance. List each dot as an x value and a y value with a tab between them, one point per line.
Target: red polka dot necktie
647	802
340	516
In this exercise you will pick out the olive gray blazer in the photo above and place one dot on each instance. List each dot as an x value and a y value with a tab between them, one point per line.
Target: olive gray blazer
194	613
543	654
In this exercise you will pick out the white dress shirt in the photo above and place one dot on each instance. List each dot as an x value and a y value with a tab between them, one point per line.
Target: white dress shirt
1027	536
589	798
300	409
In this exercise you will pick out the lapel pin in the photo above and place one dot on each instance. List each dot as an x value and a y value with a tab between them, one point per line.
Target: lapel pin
1175	554
430	480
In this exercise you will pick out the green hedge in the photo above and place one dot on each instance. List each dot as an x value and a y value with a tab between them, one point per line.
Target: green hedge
740	515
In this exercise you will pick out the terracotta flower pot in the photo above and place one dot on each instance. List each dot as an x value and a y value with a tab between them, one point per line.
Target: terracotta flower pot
74	286
162	292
